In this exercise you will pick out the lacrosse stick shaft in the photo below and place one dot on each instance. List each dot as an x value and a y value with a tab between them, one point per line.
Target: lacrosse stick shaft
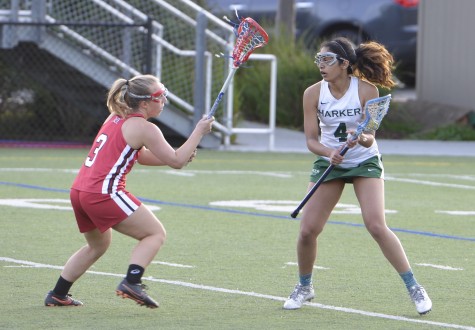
316	185
226	84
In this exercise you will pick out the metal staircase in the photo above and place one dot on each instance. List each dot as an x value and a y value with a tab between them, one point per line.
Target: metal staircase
98	41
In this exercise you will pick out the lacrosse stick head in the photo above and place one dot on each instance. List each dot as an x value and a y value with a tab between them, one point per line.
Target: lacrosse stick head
375	110
249	36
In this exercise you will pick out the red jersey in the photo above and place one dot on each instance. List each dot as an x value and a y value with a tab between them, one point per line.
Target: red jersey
109	160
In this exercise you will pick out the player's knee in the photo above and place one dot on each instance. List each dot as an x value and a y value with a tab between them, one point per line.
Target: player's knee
160	237
309	233
96	251
376	230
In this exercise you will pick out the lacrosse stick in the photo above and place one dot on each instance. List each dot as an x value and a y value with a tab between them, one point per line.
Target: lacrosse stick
250	36
375	111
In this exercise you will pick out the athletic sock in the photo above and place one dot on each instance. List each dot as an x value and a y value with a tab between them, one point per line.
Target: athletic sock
305	280
408	278
134	274
62	287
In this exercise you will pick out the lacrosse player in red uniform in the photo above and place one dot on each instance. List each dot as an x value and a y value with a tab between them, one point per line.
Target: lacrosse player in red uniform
98	195
333	107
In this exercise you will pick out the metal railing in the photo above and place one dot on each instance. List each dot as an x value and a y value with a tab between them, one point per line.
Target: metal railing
172	40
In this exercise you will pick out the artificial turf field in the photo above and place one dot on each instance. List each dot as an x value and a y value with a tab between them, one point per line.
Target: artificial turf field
229	260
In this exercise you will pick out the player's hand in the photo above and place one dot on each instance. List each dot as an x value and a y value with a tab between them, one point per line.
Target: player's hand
350	142
205	125
335	157
193	155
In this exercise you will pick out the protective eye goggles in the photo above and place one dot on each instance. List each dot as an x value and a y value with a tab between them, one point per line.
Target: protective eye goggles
327	58
161	94
155	97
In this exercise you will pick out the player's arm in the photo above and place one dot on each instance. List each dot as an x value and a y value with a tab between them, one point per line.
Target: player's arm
146	157
140	133
310	120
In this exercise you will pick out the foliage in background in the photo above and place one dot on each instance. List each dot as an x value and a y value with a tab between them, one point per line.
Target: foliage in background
398	123
296	71
452	132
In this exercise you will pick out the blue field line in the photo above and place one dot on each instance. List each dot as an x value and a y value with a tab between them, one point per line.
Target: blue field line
265	215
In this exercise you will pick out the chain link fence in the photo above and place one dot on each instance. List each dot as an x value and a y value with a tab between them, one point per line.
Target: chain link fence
59	57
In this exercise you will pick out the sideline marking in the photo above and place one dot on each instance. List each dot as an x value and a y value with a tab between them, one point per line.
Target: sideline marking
228	172
46	203
290	263
431	183
256	295
439	267
172	264
456	212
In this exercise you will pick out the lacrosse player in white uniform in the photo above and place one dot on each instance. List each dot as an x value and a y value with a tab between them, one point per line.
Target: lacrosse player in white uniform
349	80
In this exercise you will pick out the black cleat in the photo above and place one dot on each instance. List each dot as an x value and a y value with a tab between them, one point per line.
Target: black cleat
53	300
136	292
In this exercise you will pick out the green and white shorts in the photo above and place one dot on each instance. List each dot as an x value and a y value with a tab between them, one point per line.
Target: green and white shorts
370	168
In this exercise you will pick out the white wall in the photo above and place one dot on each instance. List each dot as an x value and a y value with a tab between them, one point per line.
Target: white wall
446	52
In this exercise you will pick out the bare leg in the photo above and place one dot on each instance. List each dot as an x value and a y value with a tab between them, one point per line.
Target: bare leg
370	194
85	257
315	214
147	229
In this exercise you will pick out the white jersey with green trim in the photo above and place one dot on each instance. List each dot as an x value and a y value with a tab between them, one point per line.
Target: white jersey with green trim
336	116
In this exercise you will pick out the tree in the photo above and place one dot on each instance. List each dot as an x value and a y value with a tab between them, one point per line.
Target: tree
285	19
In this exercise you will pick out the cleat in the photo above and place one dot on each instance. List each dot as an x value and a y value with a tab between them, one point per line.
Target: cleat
136	292
300	295
54	300
420	298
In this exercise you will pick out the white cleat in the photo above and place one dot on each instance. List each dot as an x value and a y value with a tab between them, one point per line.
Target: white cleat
420	298
300	295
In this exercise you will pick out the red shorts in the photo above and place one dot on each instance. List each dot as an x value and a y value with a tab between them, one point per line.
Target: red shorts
102	211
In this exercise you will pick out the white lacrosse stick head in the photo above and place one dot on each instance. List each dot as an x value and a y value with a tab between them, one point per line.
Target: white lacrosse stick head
375	110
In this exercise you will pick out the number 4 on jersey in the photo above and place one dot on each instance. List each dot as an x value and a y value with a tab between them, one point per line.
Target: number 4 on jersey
340	133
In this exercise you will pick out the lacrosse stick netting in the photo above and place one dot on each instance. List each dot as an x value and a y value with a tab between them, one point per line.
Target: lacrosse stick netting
375	110
249	36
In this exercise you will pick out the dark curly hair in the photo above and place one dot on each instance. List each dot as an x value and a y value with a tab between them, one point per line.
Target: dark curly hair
370	60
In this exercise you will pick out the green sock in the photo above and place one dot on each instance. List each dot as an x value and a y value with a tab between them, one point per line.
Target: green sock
408	278
305	280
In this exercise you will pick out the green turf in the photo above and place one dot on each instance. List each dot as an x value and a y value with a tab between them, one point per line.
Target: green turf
240	257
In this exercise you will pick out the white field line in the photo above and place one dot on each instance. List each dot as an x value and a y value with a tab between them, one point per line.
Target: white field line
431	183
283	175
172	264
257	295
439	267
26	169
271	174
290	263
456	212
467	177
263	173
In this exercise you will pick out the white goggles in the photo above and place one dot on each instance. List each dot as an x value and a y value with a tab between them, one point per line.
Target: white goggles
327	58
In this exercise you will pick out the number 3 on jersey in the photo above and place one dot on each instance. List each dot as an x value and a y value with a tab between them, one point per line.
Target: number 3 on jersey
340	133
101	140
